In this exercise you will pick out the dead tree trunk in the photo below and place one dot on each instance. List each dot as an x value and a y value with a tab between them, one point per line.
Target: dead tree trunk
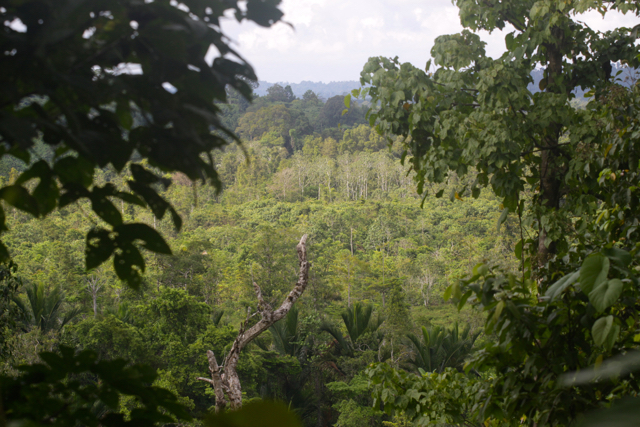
224	379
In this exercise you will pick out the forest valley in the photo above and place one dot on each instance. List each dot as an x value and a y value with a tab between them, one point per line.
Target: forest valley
441	247
379	266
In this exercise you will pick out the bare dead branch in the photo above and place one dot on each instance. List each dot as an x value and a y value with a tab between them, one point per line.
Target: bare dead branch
228	382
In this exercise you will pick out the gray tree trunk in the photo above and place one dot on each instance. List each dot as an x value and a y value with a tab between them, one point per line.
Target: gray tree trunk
224	379
94	284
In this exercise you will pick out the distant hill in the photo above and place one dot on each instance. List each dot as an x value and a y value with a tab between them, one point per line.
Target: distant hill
327	90
324	90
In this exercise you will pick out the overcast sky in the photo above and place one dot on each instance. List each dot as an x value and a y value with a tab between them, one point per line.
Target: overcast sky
332	39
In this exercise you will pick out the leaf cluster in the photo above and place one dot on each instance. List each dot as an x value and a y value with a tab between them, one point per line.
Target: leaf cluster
106	83
77	388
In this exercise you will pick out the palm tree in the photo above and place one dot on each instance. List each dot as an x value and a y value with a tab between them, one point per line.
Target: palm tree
441	348
358	321
122	312
429	353
286	336
458	345
44	308
216	316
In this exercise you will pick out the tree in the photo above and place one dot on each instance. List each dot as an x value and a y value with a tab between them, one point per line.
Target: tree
562	170
44	309
331	114
475	112
93	286
105	84
442	348
277	93
310	97
224	379
358	321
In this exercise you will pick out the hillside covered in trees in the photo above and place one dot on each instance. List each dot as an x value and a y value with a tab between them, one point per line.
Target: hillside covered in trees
303	168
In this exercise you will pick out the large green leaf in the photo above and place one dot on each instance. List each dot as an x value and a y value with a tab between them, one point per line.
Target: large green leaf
625	413
128	263
74	169
558	288
503	218
605	294
604	331
19	197
618	256
612	368
46	192
593	272
105	209
99	247
153	241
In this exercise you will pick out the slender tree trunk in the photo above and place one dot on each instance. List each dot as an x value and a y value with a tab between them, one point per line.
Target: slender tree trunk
351	241
349	272
349	284
550	155
94	285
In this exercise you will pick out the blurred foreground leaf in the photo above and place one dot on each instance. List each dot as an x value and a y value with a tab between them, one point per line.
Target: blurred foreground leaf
262	413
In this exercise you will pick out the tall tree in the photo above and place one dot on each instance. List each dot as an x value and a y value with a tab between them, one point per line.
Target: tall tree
277	93
475	112
569	175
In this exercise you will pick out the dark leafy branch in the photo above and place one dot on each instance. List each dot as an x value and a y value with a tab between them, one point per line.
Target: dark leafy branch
94	116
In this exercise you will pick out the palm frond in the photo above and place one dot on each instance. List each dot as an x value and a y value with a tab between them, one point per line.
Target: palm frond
440	348
45	307
356	319
217	316
286	337
345	346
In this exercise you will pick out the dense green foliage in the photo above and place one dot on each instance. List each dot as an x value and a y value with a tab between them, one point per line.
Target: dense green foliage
547	261
379	266
72	389
568	173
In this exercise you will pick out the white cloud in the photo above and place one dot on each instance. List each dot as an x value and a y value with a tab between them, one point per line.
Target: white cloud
332	39
372	22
